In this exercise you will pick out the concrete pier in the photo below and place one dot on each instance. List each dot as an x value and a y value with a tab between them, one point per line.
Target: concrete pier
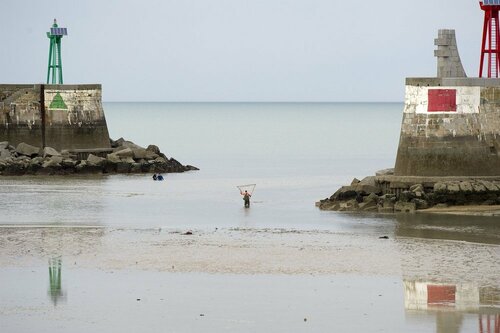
71	118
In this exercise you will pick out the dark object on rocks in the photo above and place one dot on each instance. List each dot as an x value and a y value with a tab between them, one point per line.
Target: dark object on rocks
384	237
188	233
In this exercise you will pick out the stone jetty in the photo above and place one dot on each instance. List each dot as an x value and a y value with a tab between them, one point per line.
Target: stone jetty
386	193
122	157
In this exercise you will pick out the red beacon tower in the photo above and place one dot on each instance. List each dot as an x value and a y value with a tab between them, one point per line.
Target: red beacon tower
491	34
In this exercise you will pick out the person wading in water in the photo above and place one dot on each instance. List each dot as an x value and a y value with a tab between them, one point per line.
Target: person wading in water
246	198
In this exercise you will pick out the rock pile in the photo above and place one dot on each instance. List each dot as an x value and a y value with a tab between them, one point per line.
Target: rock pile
123	157
372	194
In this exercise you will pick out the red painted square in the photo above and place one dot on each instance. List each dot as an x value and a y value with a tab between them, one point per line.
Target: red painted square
442	100
440	294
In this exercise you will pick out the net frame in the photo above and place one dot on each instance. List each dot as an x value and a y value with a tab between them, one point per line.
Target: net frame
249	187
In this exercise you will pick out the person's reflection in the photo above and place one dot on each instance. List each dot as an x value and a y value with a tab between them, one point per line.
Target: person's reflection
55	283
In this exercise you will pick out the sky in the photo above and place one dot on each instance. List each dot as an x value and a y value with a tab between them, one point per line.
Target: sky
238	50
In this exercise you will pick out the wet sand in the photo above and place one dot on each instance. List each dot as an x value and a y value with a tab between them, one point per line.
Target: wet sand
470	210
235	280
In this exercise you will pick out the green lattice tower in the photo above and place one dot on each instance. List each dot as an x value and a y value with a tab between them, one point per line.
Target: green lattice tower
55	62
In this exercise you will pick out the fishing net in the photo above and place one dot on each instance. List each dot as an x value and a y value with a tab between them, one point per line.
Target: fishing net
249	188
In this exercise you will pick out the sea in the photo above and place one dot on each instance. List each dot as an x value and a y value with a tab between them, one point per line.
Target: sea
295	154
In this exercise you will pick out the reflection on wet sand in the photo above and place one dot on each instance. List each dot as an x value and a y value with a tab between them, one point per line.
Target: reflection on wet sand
55	291
450	302
474	229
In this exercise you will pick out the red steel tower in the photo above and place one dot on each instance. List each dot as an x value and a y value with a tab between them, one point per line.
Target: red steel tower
491	32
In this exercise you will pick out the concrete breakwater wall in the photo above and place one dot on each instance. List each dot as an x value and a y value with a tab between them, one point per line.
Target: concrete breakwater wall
59	116
450	127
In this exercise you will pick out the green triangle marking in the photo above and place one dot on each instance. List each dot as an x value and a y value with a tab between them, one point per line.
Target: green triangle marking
58	103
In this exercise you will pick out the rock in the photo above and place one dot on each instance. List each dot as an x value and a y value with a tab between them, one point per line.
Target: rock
94	160
368	206
130	144
127	152
52	162
344	193
190	168
453	187
355	181
67	162
384	237
489	185
417	188
405	207
440	187
113	158
478	187
49	151
26	149
150	155
420	204
371	197
160	160
128	160
406	196
4	145
122	167
366	189
36	160
153	149
385	172
465	186
4	153
139	153
135	168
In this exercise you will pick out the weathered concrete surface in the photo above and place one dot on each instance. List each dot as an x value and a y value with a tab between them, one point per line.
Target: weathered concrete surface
73	117
448	58
460	142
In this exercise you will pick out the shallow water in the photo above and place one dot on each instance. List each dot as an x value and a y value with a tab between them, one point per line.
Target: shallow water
296	154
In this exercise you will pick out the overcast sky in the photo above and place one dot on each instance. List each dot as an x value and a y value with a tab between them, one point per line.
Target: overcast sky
237	50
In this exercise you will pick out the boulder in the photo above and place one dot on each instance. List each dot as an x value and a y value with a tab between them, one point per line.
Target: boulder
49	151
465	186
4	145
420	203
122	167
94	160
478	187
453	187
153	149
440	187
113	158
139	153
130	144
385	172
417	188
489	185
405	207
190	168
129	160
26	149
371	197
150	155
36	160
135	168
344	193
127	152
355	181
52	162
4	153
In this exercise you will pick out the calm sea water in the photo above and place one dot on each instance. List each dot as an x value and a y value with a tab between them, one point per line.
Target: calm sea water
296	153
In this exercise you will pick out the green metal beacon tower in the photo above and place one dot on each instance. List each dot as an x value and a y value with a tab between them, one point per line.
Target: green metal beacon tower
55	62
